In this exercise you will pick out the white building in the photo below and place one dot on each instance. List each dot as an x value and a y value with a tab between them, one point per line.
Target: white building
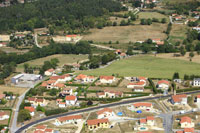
68	119
198	98
179	99
105	113
107	79
196	82
49	72
70	100
141	106
3	116
163	85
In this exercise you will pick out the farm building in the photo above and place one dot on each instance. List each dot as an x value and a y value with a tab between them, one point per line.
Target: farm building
24	77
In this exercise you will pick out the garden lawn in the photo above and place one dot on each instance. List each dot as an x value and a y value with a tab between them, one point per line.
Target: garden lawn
148	66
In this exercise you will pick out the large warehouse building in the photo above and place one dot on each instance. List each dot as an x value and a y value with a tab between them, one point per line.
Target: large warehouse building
24	77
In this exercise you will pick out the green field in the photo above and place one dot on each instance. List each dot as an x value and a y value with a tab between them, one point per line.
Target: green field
148	66
63	59
152	15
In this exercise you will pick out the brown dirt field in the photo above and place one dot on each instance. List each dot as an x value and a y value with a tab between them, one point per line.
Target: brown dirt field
196	58
125	34
15	90
5	122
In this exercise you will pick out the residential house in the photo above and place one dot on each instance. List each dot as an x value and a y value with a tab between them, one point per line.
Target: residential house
97	123
67	91
186	122
48	130
197	28
149	120
107	79
118	52
179	99
178	80
188	130
105	113
35	101
61	104
196	82
58	101
123	55
3	116
48	84
68	119
30	109
141	106
40	128
163	85
177	18
74	38
49	72
62	78
158	41
84	78
70	100
198	98
3	44
110	94
137	84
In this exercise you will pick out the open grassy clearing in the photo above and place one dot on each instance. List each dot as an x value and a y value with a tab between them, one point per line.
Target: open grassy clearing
125	34
15	90
63	58
148	66
152	15
178	32
12	50
195	59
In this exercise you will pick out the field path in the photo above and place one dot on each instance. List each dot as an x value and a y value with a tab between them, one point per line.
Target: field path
103	47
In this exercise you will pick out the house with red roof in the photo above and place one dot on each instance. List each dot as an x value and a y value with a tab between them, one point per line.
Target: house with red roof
61	104
49	72
188	130
70	100
110	94
163	85
198	98
149	120
137	84
37	101
62	78
141	106
49	130
186	122
158	41
3	116
97	123
107	79
179	99
74	119
72	38
105	113
68	90
85	79
30	109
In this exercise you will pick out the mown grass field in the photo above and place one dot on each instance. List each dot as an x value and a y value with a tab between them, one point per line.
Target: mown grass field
151	15
148	66
63	59
125	34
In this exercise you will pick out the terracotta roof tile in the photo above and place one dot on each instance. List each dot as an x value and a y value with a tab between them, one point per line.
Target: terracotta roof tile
72	117
142	104
191	130
30	109
107	77
104	110
185	119
71	97
96	121
178	98
163	82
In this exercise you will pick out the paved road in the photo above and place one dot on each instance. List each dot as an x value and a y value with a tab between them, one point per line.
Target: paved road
100	107
14	122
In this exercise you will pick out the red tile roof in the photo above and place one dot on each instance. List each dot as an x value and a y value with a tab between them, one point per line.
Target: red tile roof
51	81
59	100
30	109
50	70
104	110
39	131
142	104
70	97
198	96
119	93
81	76
44	84
62	103
96	121
48	130
163	82
191	130
150	118
72	117
142	78
59	77
107	77
2	114
178	98
39	100
2	96
41	127
138	83
32	99
143	121
179	132
71	35
60	85
185	119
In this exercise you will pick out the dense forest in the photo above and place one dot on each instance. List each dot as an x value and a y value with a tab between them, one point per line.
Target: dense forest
67	14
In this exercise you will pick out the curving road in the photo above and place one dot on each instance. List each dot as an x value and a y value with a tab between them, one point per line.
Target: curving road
95	108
